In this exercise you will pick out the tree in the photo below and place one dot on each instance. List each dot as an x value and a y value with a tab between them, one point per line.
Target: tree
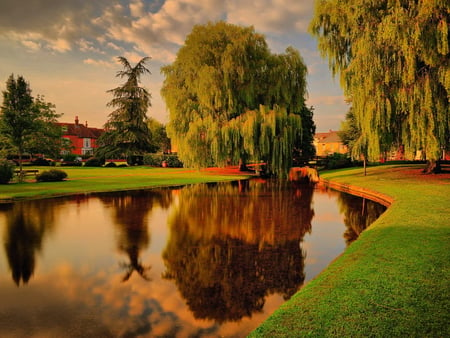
126	131
27	124
226	90
47	137
18	114
393	61
160	141
352	137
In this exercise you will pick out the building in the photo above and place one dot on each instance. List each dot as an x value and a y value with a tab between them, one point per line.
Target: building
82	137
329	143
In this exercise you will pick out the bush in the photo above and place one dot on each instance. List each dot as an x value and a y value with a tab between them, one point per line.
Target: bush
6	171
156	160
110	165
52	175
336	161
94	162
41	162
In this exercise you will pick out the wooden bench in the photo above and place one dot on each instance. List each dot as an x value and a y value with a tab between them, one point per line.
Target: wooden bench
27	172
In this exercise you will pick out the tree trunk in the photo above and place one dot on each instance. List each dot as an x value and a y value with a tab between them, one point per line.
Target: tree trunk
433	167
365	166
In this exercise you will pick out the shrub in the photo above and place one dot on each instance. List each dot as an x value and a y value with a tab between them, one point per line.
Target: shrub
111	165
336	161
52	175
6	171
41	162
156	160
69	157
93	162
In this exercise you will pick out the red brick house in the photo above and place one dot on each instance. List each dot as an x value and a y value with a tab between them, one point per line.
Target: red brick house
83	138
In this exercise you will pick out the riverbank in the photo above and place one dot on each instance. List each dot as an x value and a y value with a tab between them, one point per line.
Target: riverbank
394	280
84	180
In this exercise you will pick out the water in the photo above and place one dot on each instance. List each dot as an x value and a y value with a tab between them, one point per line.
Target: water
206	260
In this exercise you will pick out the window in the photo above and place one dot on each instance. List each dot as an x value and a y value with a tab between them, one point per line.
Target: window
86	143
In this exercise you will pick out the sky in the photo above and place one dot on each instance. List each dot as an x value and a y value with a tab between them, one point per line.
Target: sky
67	49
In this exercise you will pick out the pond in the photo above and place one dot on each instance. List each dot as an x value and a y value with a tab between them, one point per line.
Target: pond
205	260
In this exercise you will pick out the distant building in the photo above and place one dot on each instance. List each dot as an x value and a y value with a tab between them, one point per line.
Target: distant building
329	143
83	138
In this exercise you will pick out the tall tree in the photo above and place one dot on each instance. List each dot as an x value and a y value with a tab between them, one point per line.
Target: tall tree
221	79
18	113
127	132
393	61
27	124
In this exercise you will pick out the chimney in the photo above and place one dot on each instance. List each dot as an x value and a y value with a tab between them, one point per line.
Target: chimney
86	124
76	120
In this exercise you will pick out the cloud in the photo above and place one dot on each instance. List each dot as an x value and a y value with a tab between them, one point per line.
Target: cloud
153	28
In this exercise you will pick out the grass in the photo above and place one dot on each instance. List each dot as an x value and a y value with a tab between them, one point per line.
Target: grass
394	280
83	180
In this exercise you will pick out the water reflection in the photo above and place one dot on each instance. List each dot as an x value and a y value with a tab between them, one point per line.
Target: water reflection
26	227
130	212
233	245
220	258
358	213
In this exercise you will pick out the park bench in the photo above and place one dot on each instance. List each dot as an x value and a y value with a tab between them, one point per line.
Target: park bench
27	172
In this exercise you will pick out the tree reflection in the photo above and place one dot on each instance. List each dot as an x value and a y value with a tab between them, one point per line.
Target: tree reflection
26	225
130	211
233	245
359	213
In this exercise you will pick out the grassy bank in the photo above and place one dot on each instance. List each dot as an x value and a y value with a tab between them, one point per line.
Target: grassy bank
85	180
394	280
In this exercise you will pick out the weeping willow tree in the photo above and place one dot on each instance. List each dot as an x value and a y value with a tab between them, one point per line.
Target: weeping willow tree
393	60
231	100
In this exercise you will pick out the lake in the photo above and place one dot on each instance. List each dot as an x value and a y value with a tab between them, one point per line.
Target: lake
206	260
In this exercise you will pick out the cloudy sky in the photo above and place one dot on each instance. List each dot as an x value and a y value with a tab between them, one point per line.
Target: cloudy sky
67	49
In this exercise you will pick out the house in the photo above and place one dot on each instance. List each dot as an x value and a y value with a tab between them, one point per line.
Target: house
329	143
82	137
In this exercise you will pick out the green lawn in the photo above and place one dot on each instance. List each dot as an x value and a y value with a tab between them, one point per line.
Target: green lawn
89	179
394	281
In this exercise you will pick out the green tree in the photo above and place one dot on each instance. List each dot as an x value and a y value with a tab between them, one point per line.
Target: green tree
127	132
393	61
47	137
160	140
27	124
225	91
18	114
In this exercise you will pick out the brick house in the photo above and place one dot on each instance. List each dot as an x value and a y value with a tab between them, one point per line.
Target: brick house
82	137
329	143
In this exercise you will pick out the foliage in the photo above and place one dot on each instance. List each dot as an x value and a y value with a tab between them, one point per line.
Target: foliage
156	160
223	73
28	124
47	136
53	175
41	162
393	61
69	157
160	140
126	131
6	171
336	160
94	162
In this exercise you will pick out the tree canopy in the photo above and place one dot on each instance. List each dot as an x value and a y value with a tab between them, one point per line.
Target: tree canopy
27	123
230	99
393	60
126	131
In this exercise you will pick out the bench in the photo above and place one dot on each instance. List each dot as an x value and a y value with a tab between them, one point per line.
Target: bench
27	172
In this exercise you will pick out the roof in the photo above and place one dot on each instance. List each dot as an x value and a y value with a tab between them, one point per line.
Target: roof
80	130
330	137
